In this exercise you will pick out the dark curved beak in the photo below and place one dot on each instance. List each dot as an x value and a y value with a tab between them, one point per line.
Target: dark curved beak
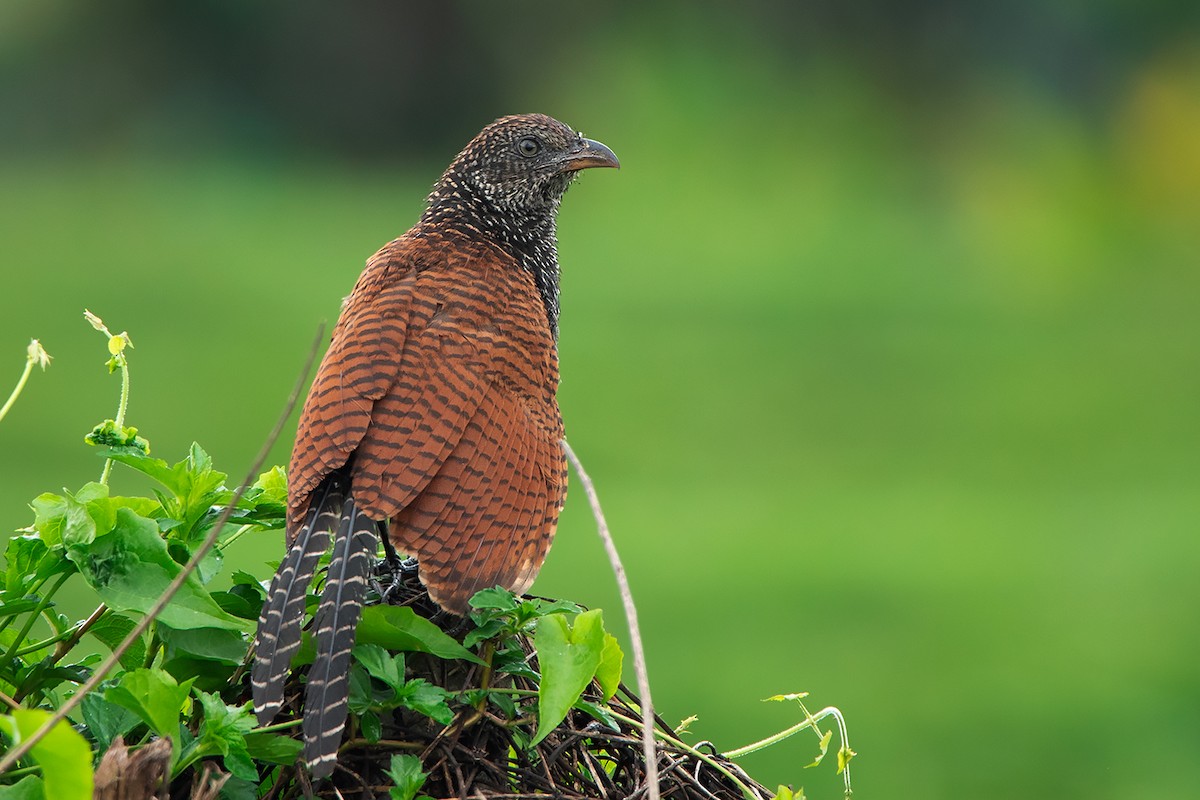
589	153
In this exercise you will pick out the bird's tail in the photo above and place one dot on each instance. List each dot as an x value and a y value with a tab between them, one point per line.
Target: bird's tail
283	612
327	697
328	694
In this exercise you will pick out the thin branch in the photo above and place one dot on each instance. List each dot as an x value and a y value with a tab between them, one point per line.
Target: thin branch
635	635
65	646
26	745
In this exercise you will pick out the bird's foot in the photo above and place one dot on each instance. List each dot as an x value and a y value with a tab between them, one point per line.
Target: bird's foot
403	573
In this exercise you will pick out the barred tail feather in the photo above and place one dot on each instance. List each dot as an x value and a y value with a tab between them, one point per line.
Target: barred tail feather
282	614
327	697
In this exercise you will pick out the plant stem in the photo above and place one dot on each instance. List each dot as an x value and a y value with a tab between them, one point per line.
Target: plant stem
233	537
122	406
43	644
278	726
16	392
37	612
810	722
396	744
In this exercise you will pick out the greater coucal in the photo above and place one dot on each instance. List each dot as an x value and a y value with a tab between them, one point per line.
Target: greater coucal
433	414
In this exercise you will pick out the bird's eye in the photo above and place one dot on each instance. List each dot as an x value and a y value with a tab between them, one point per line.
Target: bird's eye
529	147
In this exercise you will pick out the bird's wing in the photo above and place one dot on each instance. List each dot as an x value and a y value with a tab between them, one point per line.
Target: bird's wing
358	369
440	381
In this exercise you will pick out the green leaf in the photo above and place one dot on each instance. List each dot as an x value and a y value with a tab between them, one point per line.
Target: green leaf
544	608
781	698
425	698
196	486
210	565
155	696
63	754
49	518
496	598
274	748
44	675
131	568
824	749
241	601
608	672
78	527
106	720
368	723
22	556
211	676
111	630
569	656
63	519
844	754
223	730
511	661
156	468
243	578
9	608
361	692
211	644
270	487
110	434
28	788
400	628
486	630
77	519
239	789
598	712
504	701
407	775
381	664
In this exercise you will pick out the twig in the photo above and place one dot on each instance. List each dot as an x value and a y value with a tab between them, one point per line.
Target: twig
65	646
25	746
395	744
635	635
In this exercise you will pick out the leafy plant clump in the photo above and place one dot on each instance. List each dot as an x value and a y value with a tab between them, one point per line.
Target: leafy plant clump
522	698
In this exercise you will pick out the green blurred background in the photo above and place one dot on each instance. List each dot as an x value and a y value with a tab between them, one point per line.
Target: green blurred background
883	347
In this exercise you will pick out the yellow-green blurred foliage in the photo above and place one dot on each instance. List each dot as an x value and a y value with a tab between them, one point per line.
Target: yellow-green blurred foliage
883	347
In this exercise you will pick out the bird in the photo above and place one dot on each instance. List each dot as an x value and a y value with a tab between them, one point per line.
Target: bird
433	419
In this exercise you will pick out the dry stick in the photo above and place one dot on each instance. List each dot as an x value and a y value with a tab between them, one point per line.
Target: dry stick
25	746
65	646
635	635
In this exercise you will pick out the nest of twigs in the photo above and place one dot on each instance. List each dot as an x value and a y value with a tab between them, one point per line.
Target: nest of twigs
484	752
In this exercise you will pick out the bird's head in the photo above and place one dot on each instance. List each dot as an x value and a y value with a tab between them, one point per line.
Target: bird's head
522	165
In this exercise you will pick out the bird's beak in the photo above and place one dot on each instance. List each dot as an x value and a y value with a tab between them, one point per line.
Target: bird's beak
589	153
